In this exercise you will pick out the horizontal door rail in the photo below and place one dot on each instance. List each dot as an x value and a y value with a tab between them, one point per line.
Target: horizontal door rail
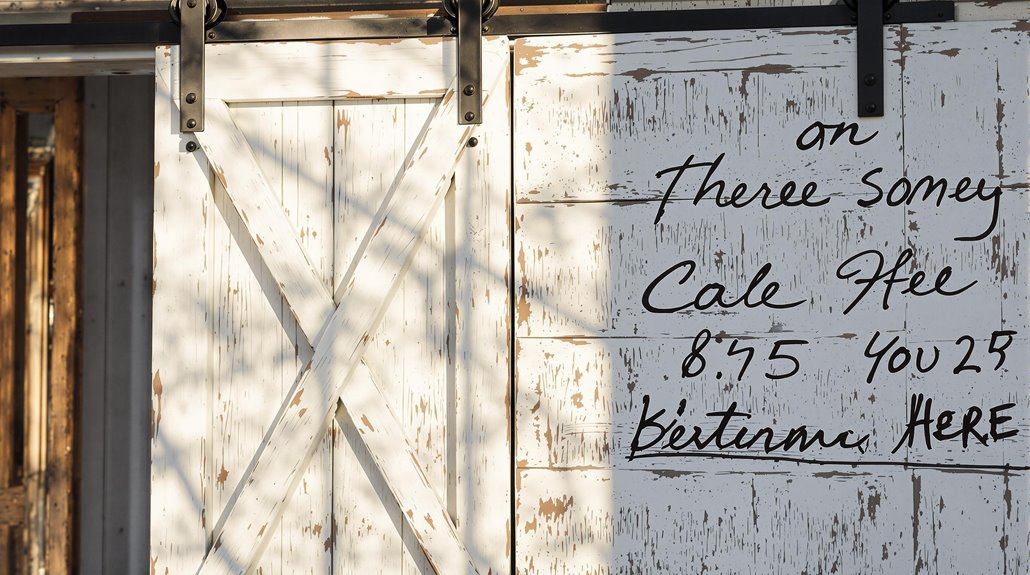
513	25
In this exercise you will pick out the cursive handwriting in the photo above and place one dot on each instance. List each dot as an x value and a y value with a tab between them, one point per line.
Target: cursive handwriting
675	436
889	277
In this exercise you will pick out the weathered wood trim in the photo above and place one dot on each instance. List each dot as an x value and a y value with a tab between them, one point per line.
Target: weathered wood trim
180	428
8	233
37	328
17	62
480	470
62	467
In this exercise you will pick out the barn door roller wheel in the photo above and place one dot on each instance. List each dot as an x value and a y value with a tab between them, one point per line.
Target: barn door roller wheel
469	17
193	17
489	9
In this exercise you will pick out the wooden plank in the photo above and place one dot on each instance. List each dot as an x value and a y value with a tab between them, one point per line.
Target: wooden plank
249	330
181	469
412	346
597	520
250	335
37	335
382	260
368	525
480	352
307	199
8	258
942	500
298	71
37	61
62	475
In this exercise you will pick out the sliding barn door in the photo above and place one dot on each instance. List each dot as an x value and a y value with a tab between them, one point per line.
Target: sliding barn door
331	325
827	375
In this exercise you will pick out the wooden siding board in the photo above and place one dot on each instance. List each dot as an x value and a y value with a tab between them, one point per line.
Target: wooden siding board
65	359
479	474
181	470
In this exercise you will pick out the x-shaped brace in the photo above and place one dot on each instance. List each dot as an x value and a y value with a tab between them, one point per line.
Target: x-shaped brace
336	376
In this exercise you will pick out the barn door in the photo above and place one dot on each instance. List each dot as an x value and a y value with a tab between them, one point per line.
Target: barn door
330	372
674	331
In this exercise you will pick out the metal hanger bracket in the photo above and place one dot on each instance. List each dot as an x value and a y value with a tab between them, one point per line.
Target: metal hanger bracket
870	15
470	17
193	17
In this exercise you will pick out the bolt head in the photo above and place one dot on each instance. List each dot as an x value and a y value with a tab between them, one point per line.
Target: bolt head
870	80
887	16
191	3
191	146
191	123
870	107
469	116
473	142
210	35
191	98
469	90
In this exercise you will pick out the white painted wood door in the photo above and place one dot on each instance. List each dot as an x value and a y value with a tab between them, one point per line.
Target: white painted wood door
331	315
598	122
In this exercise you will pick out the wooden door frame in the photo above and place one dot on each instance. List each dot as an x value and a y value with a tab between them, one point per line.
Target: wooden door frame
63	98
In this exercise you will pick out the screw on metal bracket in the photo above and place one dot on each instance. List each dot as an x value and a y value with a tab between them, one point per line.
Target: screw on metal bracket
191	146
473	142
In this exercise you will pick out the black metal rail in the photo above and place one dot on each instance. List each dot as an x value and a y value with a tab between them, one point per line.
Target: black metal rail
166	32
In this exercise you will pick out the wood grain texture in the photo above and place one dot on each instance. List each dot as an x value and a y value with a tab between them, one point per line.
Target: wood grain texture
37	338
339	159
12	506
597	118
65	358
363	300
8	303
181	471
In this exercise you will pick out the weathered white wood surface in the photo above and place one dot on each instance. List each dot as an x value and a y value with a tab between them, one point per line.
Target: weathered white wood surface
365	293
596	117
304	148
181	472
261	72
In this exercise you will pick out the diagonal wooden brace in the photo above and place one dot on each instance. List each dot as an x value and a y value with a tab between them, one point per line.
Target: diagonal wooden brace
335	371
